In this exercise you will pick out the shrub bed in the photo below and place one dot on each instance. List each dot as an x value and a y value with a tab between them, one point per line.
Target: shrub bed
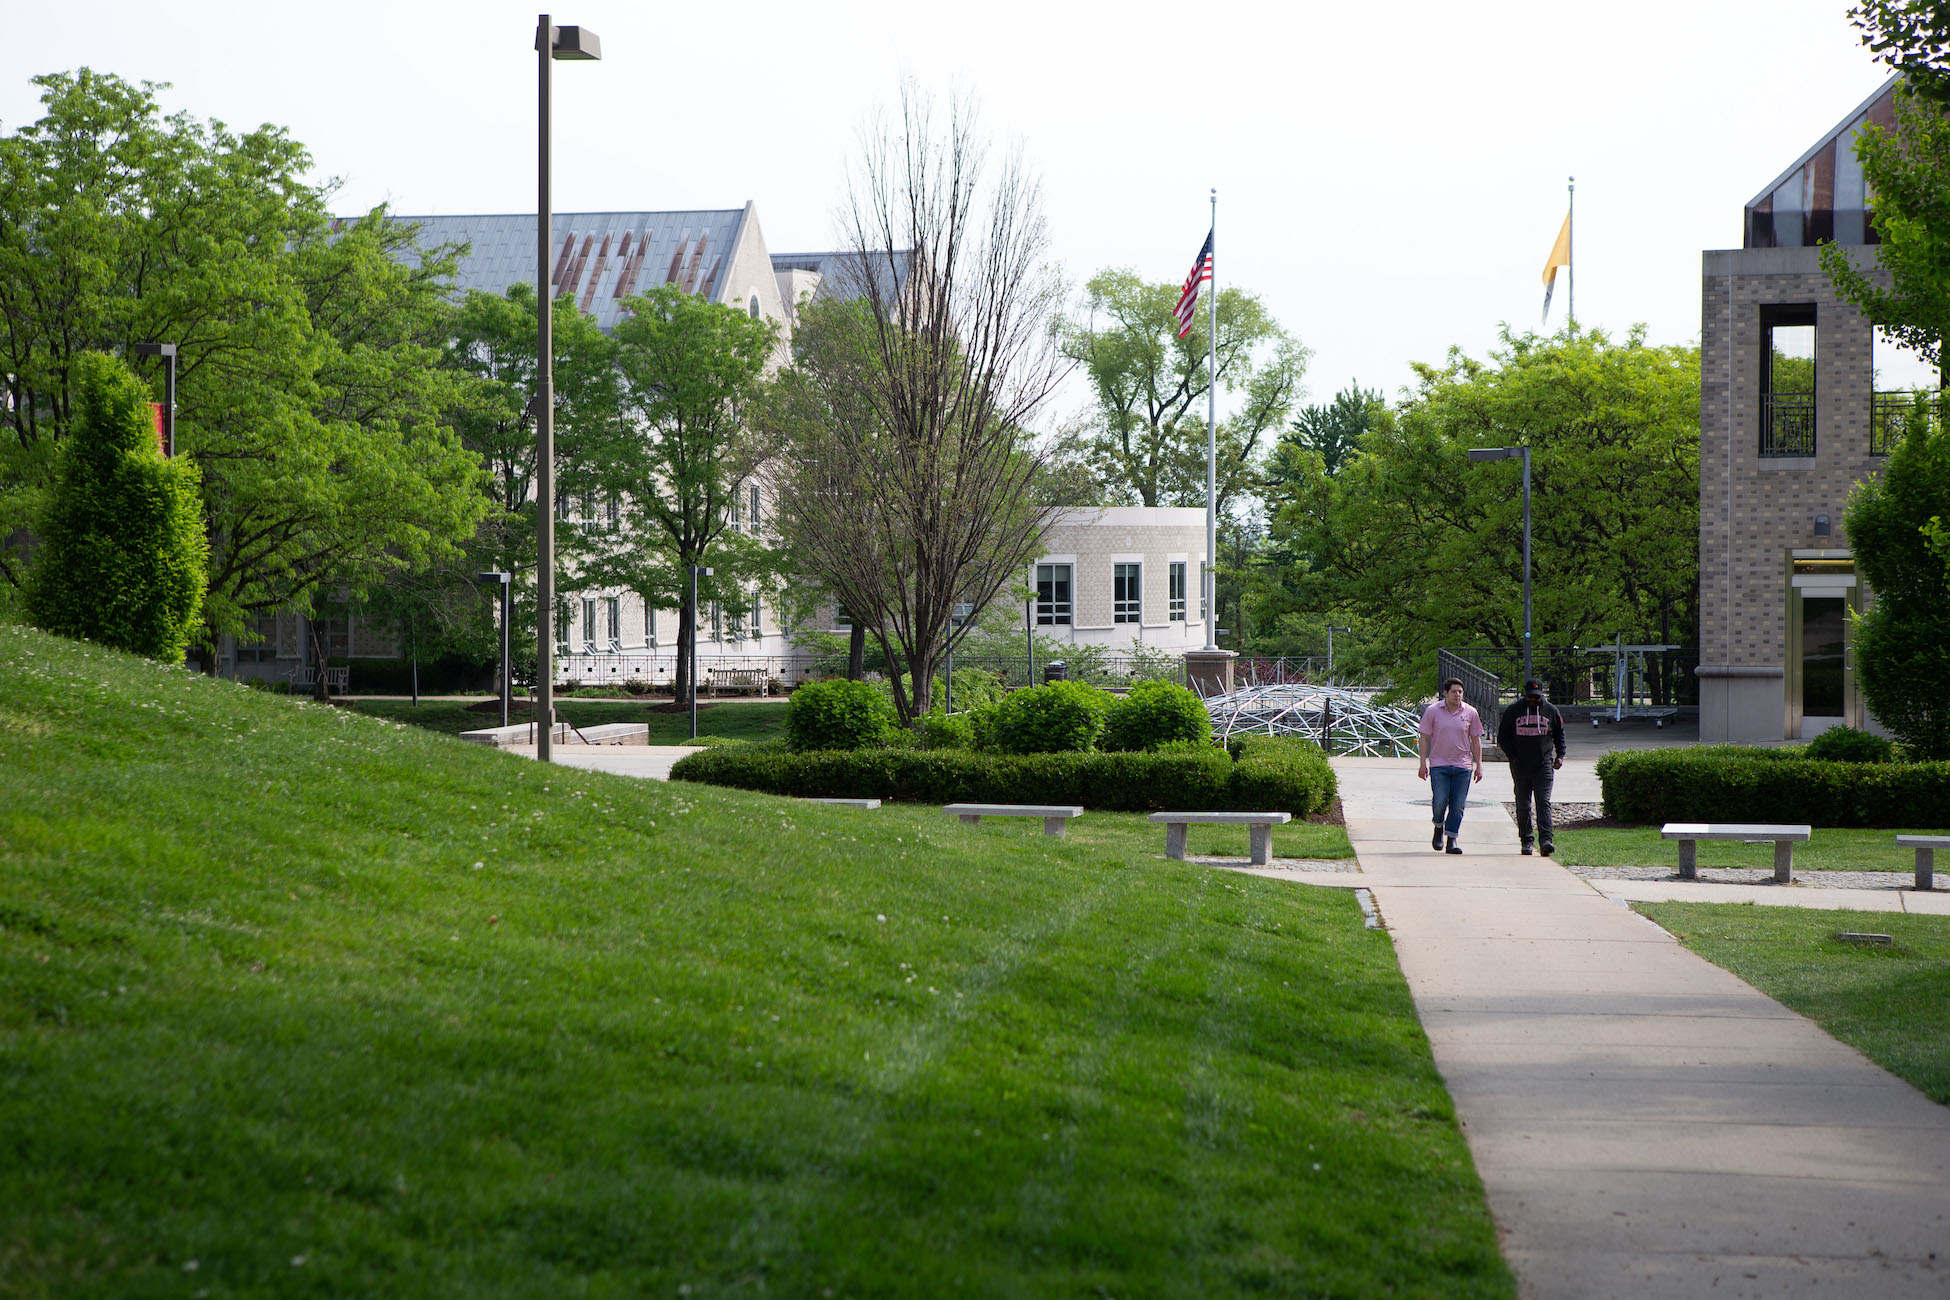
1737	783
1275	781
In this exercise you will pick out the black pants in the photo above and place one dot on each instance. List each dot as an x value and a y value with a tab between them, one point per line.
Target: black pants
1533	784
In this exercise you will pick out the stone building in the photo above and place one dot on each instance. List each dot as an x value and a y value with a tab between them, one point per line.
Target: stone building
1797	400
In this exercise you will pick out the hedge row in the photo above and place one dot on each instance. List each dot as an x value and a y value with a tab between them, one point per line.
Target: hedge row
1195	782
1735	783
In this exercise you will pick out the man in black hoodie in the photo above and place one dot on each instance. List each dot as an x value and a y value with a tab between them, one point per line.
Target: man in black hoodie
1531	736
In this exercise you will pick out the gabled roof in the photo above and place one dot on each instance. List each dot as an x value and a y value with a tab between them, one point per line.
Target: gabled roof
600	257
1821	196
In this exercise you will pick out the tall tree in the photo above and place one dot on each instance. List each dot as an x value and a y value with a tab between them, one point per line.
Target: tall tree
1902	643
308	394
1429	548
1151	387
1907	169
678	461
909	469
122	550
1331	432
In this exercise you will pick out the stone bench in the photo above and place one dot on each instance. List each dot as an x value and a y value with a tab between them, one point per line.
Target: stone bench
863	804
1262	824
1689	834
1926	847
1055	817
521	733
525	733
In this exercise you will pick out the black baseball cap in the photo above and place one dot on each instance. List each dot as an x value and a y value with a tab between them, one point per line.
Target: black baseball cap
1533	685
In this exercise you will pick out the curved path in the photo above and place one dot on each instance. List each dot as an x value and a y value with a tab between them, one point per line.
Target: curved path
1646	1124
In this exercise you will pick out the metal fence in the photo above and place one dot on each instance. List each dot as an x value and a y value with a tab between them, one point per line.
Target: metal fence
1653	683
657	670
1788	425
1890	414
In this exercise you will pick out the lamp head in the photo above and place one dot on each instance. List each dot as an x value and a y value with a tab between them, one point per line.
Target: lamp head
573	43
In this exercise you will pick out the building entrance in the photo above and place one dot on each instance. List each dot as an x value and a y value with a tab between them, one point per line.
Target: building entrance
1821	687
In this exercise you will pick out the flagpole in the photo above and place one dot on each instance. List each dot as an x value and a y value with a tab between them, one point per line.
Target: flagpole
1571	263
1212	441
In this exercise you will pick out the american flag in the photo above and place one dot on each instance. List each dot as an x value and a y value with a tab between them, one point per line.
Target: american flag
1187	307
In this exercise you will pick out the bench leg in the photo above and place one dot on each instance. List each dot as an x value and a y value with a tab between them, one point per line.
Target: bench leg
971	819
1689	859
1175	841
1925	868
1054	826
1783	862
1262	844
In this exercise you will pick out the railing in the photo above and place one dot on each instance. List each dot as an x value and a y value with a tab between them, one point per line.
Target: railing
1890	415
658	668
1581	676
1787	425
1291	670
1483	690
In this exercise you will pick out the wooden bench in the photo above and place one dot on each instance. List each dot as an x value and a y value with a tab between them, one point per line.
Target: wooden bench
1926	847
756	680
305	678
1262	824
1055	817
1689	834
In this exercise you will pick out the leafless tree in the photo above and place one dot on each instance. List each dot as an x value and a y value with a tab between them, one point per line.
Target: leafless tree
910	471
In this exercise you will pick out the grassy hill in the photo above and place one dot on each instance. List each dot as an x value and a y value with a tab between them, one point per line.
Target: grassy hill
299	1002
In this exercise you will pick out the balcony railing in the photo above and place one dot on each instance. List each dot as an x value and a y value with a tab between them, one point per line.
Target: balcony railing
1787	425
1890	414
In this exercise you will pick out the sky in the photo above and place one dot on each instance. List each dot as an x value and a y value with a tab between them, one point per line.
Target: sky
1390	177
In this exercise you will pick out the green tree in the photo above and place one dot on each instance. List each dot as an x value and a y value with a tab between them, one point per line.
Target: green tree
121	550
1151	388
1902	643
1331	432
680	457
309	394
1427	549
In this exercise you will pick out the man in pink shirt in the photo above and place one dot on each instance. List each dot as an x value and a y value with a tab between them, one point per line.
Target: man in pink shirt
1450	743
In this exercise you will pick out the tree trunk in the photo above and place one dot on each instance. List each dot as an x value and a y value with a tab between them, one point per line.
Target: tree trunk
686	635
856	653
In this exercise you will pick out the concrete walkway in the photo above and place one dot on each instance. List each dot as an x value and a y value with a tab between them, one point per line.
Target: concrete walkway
650	762
1646	1124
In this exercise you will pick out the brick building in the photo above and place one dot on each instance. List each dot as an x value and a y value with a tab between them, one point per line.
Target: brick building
1797	396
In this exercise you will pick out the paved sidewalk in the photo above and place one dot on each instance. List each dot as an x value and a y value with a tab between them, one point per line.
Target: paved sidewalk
651	762
1646	1124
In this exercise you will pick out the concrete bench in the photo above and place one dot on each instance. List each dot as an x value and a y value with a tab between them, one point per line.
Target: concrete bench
1689	834
1926	847
1055	817
609	733
756	680
1261	823
863	804
521	733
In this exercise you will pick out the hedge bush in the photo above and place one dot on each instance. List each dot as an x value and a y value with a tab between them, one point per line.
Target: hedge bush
1741	784
1203	781
1157	713
1847	745
1282	774
1055	718
838	714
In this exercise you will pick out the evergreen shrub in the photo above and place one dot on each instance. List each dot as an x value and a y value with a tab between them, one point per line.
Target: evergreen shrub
1156	713
1738	783
1055	718
123	552
1848	745
1282	774
838	715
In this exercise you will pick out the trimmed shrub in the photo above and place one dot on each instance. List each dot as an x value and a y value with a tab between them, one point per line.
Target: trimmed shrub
1737	783
1112	782
123	553
838	715
1157	713
1055	718
1282	774
941	730
1847	745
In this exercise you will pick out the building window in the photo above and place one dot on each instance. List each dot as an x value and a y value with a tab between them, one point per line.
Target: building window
1787	380
588	624
1126	588
754	307
1052	594
613	512
649	626
842	619
562	622
754	509
1176	594
758	611
262	633
615	620
717	621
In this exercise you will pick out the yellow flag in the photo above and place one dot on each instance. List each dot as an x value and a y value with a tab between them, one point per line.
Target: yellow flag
1560	251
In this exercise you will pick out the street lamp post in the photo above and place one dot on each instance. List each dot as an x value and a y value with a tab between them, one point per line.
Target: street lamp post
167	351
1330	651
695	570
503	580
551	43
956	618
1518	453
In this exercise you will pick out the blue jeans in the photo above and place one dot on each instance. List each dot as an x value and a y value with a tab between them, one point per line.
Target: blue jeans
1449	787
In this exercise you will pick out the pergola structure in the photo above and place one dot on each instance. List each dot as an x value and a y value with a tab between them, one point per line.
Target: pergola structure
1341	720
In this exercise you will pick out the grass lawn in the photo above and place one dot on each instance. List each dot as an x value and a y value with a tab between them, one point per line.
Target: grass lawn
1845	849
742	719
1892	1004
295	1001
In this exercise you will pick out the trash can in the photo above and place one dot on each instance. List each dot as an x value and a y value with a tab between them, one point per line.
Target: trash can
1056	671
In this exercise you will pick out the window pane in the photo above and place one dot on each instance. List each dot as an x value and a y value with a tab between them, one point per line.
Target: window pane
1052	594
1177	592
1127	601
